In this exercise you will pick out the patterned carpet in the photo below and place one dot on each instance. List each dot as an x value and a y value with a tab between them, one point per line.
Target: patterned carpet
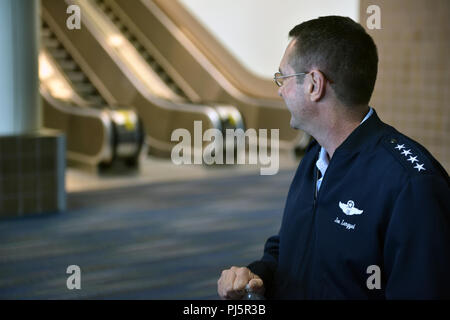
158	241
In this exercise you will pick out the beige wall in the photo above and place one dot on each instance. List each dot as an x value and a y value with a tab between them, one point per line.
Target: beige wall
413	87
256	31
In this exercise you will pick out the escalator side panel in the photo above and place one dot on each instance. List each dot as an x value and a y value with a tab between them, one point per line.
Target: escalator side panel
87	135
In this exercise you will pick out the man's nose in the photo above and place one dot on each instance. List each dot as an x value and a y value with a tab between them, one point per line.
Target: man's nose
279	92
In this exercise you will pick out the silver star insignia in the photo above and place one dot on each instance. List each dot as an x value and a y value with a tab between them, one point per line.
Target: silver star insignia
413	159
400	146
406	152
419	167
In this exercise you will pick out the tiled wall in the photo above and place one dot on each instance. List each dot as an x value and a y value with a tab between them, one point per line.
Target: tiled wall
32	171
413	87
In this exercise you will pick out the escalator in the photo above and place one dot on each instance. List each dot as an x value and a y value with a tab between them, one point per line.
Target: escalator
79	82
228	115
97	133
199	65
124	76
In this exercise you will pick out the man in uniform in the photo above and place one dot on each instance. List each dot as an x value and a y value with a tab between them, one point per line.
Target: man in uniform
368	212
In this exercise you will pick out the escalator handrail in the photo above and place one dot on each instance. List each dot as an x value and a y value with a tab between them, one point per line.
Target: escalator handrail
105	153
228	65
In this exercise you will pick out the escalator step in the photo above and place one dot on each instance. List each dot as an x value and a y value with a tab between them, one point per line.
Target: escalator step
76	76
164	77
145	55
45	32
175	89
50	42
111	14
158	69
155	65
95	99
101	5
58	53
67	65
84	88
136	44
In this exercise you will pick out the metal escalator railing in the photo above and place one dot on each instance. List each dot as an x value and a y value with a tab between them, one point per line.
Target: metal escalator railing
97	133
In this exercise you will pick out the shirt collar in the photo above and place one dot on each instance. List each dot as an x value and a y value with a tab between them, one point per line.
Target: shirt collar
323	161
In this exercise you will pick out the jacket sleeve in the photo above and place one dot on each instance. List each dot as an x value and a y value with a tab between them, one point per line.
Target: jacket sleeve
417	241
266	267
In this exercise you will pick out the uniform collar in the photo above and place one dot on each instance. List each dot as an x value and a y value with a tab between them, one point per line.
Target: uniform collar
323	161
369	129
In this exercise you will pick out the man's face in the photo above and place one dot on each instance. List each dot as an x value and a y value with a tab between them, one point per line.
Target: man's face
293	91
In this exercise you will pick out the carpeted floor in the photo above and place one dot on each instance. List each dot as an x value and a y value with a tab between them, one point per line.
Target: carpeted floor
158	241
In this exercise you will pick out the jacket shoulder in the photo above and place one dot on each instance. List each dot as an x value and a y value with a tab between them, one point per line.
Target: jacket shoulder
411	155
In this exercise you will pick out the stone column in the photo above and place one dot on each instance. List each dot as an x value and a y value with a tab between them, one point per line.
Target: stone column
32	160
19	82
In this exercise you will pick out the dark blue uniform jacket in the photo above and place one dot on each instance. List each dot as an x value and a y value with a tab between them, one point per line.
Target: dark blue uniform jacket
384	203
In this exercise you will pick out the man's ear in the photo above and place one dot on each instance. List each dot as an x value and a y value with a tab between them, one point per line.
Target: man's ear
317	84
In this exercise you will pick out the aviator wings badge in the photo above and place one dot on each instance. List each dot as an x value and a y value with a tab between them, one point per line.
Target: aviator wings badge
349	208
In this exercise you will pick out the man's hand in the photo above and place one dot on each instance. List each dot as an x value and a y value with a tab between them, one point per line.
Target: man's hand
232	282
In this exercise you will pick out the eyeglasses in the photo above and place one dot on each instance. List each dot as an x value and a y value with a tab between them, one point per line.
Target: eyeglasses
279	78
